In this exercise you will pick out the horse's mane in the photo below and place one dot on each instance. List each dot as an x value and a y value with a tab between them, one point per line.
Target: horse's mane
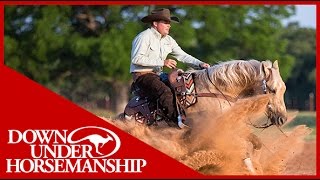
233	74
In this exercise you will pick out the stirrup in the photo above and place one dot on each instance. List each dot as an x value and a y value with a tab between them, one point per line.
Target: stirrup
181	124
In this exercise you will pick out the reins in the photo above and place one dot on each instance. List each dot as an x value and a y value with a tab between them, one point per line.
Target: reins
232	99
221	95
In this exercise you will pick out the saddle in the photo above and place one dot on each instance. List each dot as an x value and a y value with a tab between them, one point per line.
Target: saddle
145	111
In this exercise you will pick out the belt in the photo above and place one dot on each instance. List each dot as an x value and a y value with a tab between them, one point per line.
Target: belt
136	75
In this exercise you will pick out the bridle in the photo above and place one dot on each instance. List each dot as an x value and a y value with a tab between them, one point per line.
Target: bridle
266	90
264	86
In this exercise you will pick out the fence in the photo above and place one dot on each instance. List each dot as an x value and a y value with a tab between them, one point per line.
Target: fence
302	104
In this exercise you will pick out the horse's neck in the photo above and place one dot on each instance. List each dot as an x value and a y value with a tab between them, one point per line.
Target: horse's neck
249	78
214	106
209	105
205	83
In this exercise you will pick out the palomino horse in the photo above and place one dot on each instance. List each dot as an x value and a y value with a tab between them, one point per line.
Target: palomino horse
219	87
237	79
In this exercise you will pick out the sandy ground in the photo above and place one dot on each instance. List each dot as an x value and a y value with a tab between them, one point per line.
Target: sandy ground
304	163
217	145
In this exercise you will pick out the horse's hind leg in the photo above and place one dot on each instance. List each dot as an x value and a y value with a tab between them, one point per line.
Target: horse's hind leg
123	116
120	116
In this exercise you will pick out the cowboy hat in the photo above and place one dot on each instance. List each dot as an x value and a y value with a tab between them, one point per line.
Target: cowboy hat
160	14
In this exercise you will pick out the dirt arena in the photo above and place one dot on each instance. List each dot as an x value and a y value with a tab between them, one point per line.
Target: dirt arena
303	163
218	145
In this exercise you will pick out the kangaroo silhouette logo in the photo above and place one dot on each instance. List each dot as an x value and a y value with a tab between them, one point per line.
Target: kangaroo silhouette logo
97	140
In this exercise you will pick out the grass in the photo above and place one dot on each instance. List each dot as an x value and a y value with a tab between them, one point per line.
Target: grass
101	112
305	118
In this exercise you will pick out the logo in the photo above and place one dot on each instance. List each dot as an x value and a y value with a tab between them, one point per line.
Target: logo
97	140
85	149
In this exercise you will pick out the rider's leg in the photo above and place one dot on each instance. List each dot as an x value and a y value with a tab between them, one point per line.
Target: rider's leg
156	89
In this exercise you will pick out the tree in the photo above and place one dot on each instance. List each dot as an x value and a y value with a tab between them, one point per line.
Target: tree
222	33
83	52
72	49
302	82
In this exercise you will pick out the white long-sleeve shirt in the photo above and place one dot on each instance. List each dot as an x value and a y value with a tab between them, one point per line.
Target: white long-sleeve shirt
149	50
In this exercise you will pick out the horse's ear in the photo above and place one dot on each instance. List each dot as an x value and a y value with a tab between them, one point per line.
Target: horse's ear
275	64
265	68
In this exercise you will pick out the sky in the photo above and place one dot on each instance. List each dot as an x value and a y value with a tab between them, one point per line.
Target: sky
305	15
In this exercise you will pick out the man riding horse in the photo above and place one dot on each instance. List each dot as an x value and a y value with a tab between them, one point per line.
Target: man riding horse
220	85
150	49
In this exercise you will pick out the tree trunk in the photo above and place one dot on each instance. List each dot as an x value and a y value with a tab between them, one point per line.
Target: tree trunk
119	96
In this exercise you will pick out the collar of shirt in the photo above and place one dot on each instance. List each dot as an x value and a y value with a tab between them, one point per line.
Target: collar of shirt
156	33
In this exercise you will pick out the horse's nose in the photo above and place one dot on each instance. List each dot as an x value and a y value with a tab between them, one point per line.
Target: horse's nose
281	120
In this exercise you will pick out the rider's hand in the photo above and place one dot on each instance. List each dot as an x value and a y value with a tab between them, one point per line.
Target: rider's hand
170	63
204	65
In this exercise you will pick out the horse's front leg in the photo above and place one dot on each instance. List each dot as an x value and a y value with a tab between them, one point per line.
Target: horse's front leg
253	152
248	162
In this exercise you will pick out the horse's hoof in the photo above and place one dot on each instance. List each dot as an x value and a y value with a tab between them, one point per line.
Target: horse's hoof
249	165
182	125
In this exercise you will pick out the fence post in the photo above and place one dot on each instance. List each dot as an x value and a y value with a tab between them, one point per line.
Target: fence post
311	101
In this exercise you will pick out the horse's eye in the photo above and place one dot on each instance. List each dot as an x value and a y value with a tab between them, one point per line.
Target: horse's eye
271	90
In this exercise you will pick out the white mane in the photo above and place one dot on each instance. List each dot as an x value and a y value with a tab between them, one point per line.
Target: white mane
233	74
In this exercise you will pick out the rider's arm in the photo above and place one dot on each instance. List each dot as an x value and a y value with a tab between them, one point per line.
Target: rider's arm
182	56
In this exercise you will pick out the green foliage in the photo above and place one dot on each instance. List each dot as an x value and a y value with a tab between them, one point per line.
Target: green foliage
302	46
11	48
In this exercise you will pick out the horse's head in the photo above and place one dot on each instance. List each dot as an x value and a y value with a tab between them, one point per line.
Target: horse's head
276	109
240	79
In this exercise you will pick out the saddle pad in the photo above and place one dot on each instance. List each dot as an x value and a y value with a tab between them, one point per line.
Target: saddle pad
187	97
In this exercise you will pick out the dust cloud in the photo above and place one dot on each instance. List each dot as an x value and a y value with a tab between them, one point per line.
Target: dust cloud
217	144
